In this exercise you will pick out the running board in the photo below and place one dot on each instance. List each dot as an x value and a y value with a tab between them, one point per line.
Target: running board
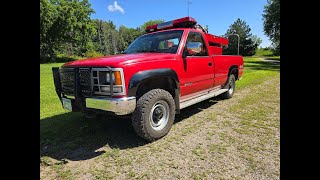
201	98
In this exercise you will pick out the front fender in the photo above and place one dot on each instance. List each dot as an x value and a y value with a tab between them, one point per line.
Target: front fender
141	76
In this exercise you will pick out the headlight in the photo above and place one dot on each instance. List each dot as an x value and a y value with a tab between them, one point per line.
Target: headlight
116	78
108	77
101	81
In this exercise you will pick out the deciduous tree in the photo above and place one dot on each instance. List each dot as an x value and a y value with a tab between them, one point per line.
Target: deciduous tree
247	45
271	23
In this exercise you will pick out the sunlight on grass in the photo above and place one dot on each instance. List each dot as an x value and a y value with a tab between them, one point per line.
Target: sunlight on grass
256	72
49	101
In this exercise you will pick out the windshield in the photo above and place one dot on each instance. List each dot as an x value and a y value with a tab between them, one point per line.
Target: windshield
161	42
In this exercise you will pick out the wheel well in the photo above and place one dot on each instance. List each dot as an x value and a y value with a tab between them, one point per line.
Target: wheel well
164	83
234	70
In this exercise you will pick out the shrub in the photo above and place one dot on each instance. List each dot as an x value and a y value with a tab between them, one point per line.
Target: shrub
66	58
92	53
59	58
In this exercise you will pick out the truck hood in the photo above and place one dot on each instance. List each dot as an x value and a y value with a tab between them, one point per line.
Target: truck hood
120	60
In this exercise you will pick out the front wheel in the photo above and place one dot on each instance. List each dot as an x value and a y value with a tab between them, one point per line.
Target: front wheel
231	85
154	114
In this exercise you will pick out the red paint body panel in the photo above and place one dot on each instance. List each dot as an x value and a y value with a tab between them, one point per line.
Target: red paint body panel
217	39
222	64
215	50
194	73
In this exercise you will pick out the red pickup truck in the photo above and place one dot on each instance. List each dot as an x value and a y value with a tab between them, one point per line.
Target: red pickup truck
174	65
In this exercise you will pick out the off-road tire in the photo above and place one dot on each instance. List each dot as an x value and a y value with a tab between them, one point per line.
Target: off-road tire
141	121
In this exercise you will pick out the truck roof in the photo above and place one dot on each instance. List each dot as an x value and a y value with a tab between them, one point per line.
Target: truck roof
186	22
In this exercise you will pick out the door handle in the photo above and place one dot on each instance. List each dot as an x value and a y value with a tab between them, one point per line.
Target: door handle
210	63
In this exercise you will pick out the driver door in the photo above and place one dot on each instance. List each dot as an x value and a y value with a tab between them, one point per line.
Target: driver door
198	67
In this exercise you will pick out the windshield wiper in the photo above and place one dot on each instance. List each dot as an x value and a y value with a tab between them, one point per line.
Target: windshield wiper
142	51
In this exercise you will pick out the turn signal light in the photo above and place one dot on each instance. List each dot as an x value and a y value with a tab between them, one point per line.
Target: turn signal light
117	78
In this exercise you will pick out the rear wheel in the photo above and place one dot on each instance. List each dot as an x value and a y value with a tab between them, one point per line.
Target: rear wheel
230	86
154	114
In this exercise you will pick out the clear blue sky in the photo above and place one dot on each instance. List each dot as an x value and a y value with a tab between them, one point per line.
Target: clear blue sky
217	14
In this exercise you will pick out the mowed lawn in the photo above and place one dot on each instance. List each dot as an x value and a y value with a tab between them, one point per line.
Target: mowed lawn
216	139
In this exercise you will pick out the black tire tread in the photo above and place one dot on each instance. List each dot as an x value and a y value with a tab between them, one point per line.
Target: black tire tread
143	103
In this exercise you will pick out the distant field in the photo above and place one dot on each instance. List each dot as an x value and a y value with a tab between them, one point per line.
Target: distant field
238	138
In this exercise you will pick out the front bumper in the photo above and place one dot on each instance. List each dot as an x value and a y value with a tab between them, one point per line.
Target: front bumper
120	106
77	102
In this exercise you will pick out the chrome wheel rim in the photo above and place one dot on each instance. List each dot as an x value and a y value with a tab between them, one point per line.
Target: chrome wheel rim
231	87
159	115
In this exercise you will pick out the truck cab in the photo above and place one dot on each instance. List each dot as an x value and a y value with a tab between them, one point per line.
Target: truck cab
174	65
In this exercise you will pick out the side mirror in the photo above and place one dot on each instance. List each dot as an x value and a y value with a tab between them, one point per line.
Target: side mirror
192	48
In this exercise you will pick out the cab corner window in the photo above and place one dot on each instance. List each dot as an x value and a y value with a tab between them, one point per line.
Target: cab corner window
195	45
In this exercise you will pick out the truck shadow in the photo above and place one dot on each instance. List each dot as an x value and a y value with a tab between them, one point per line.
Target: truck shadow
196	108
71	136
261	65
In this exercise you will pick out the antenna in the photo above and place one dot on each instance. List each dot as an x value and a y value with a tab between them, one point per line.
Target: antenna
188	1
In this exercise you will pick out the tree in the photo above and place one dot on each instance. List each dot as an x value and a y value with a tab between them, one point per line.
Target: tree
65	26
106	37
127	36
256	40
206	28
149	23
271	23
247	45
47	18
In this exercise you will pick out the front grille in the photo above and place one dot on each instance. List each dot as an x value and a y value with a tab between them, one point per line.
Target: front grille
90	81
68	83
85	81
67	80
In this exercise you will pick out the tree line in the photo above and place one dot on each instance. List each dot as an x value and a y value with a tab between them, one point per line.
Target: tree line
67	31
271	24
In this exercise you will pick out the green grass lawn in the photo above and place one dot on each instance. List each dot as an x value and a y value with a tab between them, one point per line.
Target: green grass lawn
67	135
266	54
49	101
256	71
